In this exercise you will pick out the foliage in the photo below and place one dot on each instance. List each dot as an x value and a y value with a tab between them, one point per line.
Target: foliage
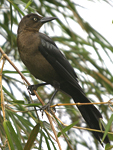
19	120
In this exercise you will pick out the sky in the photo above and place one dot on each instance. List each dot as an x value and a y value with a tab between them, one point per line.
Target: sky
100	16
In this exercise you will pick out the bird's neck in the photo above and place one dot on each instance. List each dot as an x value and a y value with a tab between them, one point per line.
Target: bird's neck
31	29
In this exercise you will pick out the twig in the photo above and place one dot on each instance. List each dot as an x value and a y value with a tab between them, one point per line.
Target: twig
2	96
78	104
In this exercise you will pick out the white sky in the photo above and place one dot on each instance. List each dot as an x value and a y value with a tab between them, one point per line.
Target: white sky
100	16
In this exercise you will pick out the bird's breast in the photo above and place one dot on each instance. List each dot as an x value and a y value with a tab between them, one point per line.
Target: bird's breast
34	60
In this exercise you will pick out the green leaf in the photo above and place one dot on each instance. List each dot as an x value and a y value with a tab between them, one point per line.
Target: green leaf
108	147
108	127
5	125
33	105
16	7
28	4
12	136
49	137
67	128
47	142
40	142
18	101
32	137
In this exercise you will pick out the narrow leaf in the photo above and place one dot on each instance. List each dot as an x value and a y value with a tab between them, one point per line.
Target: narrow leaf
108	127
28	4
14	136
67	128
40	142
8	135
47	142
32	137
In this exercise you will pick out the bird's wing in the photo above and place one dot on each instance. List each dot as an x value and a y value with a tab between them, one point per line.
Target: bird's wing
58	61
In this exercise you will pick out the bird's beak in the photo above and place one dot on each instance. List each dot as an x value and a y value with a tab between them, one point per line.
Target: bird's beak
47	19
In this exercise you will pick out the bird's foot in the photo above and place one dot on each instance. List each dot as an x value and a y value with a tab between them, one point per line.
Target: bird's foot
31	89
47	107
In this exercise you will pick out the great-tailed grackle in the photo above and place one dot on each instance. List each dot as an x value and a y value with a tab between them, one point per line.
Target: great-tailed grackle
45	61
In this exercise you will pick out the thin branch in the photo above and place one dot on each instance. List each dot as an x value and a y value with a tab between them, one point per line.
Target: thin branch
2	95
79	104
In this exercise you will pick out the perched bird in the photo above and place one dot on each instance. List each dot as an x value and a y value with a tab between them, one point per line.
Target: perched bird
46	62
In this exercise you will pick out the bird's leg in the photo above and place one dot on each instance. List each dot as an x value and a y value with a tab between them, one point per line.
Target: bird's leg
34	87
47	106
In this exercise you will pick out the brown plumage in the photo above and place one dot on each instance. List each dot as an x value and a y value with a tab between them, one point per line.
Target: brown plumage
45	61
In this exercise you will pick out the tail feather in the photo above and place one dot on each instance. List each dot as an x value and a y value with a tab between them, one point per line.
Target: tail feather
89	112
92	120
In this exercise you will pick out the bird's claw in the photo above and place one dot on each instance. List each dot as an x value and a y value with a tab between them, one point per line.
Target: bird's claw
31	89
47	107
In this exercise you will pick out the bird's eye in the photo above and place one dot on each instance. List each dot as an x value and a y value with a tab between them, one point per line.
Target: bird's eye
35	19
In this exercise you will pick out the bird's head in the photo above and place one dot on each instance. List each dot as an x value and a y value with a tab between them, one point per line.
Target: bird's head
33	22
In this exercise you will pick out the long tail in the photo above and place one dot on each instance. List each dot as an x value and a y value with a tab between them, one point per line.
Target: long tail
89	112
92	116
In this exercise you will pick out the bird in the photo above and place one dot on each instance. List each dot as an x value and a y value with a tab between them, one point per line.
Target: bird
46	62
